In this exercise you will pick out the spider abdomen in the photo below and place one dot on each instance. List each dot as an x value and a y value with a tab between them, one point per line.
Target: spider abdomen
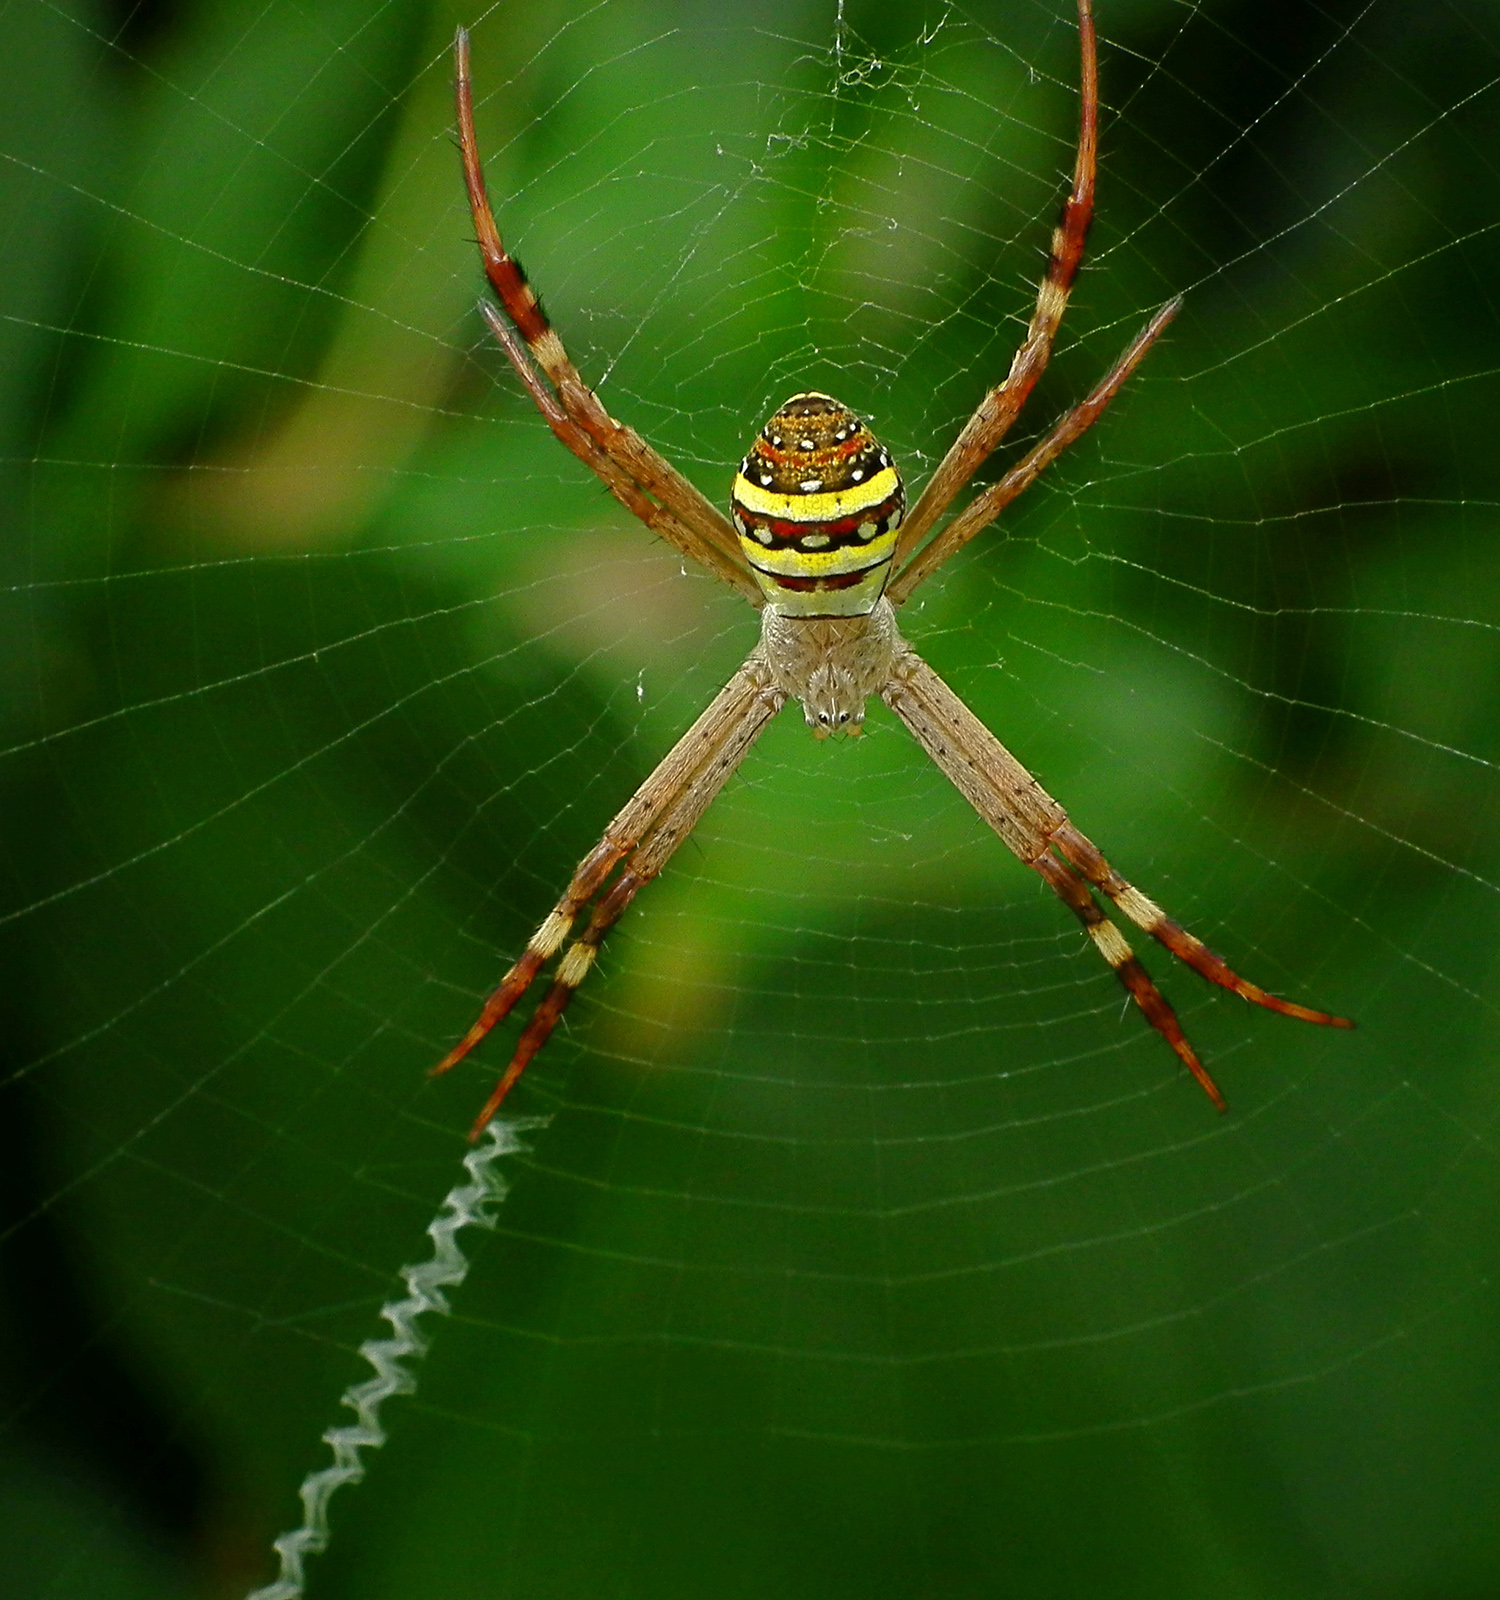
816	503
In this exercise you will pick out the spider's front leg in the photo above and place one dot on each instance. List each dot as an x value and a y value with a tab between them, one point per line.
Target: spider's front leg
643	481
650	826
1033	825
998	410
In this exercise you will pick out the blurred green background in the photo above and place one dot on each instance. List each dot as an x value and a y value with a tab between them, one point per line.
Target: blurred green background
871	1249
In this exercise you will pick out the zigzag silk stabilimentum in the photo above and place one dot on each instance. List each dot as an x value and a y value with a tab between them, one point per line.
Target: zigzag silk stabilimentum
470	1204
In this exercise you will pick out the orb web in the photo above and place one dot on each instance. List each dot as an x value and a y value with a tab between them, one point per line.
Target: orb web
871	1244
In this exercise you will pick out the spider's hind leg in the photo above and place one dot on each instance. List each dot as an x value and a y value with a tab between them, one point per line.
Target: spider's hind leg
654	821
1114	947
542	946
1084	856
571	971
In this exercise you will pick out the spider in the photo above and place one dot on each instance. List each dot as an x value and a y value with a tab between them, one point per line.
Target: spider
821	547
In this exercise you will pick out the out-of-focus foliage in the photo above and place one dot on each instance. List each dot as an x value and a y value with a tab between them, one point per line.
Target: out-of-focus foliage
868	1252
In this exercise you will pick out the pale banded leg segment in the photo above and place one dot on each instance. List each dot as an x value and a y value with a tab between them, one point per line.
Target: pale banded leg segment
1115	948
1033	825
543	945
695	526
1081	854
656	819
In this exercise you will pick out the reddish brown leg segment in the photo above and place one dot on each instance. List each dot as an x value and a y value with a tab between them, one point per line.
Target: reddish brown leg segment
629	466
1082	854
570	974
1111	944
982	510
545	943
998	410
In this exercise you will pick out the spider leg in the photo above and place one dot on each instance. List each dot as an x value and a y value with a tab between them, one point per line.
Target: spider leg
1081	854
649	828
997	411
619	483
1115	948
1032	824
984	508
700	530
547	940
983	771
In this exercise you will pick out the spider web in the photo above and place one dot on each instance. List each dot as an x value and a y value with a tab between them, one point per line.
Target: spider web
871	1245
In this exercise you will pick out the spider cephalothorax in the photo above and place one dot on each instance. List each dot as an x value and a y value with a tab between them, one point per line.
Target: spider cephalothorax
820	547
817	502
